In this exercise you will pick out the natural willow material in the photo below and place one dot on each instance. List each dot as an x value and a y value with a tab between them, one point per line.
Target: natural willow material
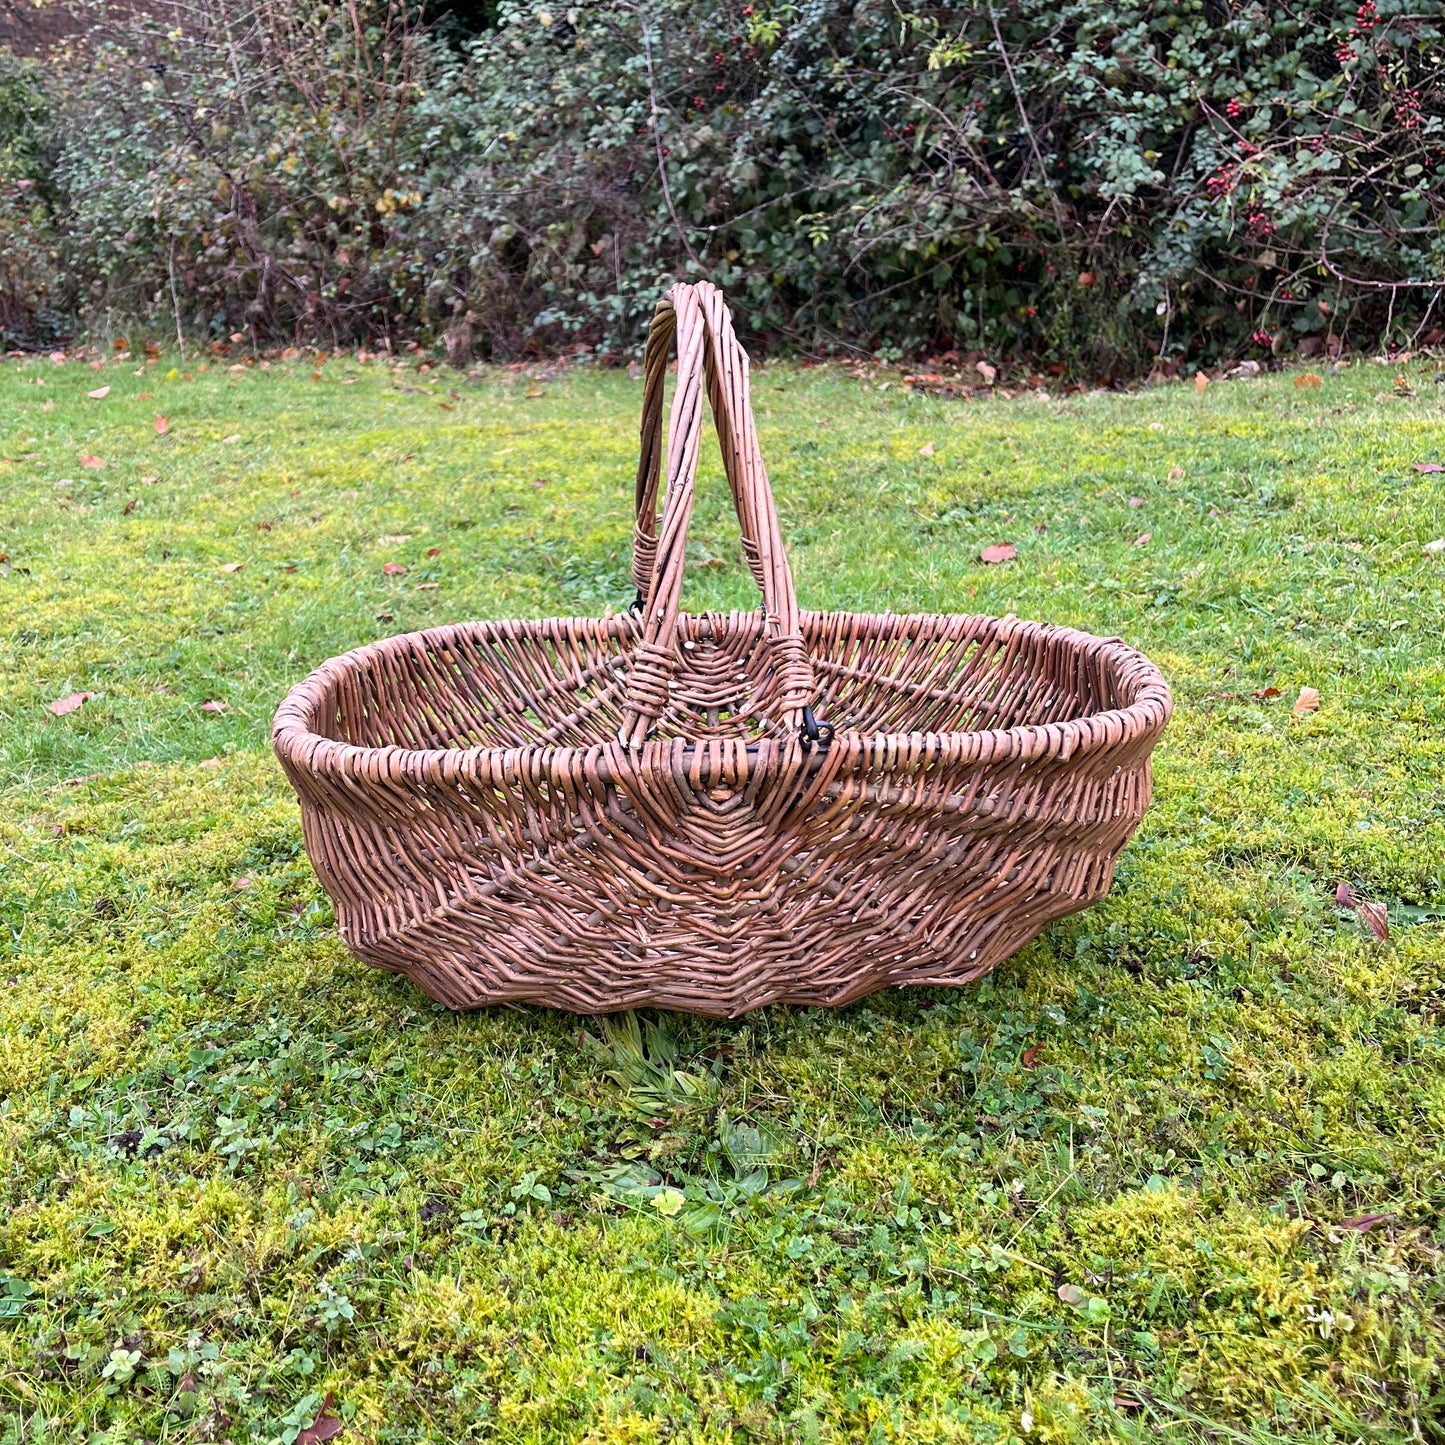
598	814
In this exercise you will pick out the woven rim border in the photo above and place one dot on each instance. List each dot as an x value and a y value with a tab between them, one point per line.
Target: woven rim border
1150	708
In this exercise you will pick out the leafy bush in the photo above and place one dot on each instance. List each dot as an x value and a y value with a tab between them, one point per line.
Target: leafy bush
1095	186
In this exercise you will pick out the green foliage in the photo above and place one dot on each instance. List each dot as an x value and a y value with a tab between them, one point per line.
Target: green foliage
1102	189
1122	1191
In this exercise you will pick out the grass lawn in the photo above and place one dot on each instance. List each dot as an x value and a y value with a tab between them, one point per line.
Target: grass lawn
1122	1190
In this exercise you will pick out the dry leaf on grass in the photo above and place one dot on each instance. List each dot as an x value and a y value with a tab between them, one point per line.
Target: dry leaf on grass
999	552
393	569
1266	692
1375	916
325	1427
1030	1057
62	706
1176	474
1363	1223
1430	469
214	705
986	371
163	424
427	586
232	566
395	539
99	394
433	551
1143	539
1309	381
94	463
1308	700
1438	545
1201	382
231	440
926	450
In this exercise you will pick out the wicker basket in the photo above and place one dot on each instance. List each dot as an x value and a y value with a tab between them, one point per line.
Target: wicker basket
602	813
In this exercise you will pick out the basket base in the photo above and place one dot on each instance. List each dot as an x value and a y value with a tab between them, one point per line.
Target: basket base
819	951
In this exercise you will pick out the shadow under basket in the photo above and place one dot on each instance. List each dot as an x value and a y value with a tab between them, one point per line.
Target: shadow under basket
603	813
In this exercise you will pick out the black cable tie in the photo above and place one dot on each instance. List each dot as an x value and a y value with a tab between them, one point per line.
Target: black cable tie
815	733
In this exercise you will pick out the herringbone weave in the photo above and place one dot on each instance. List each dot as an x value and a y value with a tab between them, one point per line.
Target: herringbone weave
715	812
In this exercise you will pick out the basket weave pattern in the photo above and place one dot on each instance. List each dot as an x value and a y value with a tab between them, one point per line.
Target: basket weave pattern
599	814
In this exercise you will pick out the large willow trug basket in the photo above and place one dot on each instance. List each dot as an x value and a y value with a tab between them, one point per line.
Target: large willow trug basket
598	814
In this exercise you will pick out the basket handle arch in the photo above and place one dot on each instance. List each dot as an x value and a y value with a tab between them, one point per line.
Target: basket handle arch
708	355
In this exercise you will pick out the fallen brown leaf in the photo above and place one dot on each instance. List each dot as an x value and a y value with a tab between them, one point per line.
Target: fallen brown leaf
1363	1223
1201	382
213	705
1430	469
63	706
129	507
1266	692
1375	917
163	424
926	450
94	463
986	371
427	586
393	569
325	1427
999	552
1087	279
232	566
231	440
99	394
1309	381
1143	539
539	481
1136	501
1308	700
1030	1056
1176	474
433	551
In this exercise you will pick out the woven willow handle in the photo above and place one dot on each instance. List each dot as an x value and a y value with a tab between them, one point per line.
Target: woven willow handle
707	353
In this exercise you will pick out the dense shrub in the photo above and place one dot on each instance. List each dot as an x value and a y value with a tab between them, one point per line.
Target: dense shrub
1089	184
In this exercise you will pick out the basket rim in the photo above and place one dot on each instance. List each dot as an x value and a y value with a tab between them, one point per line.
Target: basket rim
295	741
